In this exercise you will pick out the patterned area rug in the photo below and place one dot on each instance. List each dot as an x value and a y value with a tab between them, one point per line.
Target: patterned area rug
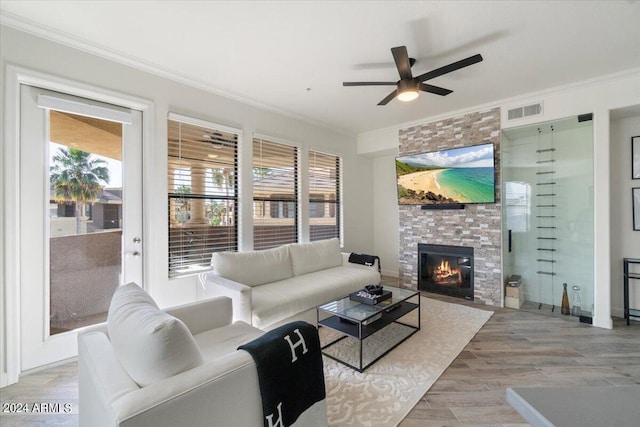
386	391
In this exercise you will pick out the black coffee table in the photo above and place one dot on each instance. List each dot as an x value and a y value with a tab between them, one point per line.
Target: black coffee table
358	322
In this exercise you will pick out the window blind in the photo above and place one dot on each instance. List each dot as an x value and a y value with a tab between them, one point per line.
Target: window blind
202	195
275	194
324	196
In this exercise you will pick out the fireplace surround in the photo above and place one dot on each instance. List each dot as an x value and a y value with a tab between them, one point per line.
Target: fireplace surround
446	269
477	225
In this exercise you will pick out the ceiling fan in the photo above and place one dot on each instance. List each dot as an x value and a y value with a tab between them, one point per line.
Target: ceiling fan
409	87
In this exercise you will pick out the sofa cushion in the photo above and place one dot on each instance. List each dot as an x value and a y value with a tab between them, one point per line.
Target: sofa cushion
254	268
150	344
314	256
274	302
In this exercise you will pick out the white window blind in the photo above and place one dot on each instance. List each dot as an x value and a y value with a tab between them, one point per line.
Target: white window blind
202	194
324	196
275	194
88	108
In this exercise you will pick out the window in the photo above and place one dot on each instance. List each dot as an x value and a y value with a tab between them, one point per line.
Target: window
202	193
324	196
275	194
517	205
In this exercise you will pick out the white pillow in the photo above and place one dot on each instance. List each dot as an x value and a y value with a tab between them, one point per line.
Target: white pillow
314	256
254	268
150	344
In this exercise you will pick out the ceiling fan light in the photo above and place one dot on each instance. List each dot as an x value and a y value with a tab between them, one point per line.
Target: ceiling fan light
408	95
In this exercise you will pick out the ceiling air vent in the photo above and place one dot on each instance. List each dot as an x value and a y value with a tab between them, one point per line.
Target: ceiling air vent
525	111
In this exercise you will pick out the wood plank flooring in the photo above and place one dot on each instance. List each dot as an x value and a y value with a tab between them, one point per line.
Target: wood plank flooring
514	348
517	348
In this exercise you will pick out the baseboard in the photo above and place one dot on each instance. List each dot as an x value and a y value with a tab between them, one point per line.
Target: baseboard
390	273
603	322
619	312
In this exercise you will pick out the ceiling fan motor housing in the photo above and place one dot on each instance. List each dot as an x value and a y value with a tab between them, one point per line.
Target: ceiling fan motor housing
408	85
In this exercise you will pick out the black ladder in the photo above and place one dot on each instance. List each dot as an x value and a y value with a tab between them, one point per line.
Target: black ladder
546	216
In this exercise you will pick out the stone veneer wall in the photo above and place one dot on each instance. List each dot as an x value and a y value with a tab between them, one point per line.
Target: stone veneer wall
478	226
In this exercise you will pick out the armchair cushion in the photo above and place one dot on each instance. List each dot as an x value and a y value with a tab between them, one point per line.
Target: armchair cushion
150	344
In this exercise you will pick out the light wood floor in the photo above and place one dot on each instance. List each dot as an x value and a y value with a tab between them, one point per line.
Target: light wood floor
514	348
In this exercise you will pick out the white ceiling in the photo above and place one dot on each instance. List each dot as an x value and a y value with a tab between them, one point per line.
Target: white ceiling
268	53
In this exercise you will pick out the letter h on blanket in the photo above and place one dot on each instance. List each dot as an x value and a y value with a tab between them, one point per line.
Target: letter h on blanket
290	374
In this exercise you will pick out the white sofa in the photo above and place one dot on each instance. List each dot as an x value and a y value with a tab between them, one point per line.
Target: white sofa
276	286
179	367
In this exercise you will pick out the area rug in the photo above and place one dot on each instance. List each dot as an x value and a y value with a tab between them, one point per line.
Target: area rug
386	391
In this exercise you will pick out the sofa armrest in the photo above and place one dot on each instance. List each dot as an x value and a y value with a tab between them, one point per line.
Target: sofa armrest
214	285
101	380
224	391
200	316
98	327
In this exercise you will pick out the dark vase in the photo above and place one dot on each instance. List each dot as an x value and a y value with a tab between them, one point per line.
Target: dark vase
565	301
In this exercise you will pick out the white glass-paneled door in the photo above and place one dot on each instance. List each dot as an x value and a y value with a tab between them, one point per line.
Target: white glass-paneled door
80	217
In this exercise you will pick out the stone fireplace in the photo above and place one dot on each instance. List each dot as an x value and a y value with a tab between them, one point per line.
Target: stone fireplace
477	226
446	269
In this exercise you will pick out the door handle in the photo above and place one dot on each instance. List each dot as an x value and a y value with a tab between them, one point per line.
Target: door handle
133	254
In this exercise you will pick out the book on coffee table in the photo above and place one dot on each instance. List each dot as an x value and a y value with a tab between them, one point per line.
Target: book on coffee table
369	299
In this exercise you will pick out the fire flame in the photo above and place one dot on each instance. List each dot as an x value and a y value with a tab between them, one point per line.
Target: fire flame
444	272
444	268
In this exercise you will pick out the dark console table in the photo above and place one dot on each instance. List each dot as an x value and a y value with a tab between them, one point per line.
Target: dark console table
629	275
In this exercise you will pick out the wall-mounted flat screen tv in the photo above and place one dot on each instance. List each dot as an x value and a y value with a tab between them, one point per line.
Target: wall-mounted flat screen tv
455	176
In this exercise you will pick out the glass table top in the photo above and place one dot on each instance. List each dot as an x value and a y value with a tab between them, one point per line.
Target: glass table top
358	311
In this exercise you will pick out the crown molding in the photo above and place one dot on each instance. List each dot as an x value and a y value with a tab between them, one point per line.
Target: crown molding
48	33
517	99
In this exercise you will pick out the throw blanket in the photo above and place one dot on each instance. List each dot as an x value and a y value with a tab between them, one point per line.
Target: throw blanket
364	259
290	374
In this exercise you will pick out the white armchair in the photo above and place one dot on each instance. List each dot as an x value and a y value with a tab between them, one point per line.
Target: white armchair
222	390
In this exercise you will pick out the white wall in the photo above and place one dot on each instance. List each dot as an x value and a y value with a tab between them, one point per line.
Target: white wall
385	227
34	53
625	243
596	96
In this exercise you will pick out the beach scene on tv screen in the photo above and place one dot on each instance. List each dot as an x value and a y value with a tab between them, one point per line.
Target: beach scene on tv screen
459	175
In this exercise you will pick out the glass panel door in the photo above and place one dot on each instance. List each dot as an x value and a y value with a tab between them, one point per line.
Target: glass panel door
548	212
81	225
85	223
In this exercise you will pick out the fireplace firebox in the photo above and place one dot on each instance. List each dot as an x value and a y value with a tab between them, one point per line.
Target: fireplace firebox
446	270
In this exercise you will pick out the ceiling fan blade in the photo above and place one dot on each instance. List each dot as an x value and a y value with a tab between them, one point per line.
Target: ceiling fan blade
388	98
369	83
449	68
434	89
403	63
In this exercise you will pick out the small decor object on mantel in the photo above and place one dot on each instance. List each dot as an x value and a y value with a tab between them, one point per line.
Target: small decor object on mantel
635	157
636	208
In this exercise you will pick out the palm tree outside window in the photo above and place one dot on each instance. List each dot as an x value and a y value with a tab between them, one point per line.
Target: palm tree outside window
77	176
